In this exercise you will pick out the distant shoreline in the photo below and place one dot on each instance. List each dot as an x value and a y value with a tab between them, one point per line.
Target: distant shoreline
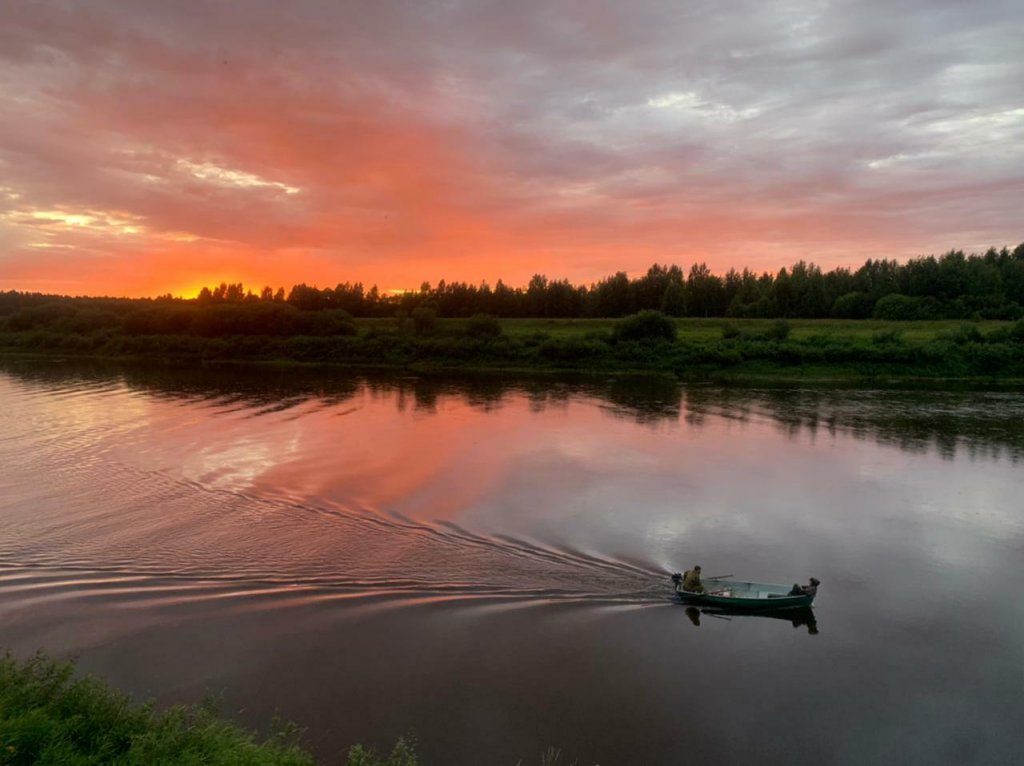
987	353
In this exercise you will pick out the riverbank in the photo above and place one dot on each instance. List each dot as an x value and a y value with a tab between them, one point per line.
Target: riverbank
716	350
48	716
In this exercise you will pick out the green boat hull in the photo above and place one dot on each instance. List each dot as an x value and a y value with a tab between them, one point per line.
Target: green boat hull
745	596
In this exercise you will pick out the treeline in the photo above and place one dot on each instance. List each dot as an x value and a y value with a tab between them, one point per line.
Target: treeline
952	286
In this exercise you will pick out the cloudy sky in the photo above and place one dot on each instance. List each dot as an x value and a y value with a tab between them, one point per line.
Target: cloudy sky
148	146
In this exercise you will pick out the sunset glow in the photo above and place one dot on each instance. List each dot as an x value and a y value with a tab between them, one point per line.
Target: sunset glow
150	147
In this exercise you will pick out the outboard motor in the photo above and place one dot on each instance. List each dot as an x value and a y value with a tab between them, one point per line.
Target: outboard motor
677	584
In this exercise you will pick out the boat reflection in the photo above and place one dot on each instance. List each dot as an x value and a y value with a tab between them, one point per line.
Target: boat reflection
799	618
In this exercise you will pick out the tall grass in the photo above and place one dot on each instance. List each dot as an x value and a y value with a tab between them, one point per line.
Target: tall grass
50	717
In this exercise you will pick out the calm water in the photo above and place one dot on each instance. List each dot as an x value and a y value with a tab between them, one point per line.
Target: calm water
485	563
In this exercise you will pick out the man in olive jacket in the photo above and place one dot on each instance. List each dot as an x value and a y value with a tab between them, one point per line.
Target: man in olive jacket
692	582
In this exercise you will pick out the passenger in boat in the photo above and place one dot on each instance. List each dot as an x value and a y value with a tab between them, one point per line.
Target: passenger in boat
806	590
692	582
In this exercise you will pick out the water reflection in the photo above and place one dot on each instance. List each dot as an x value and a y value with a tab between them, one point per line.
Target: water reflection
984	424
798	618
363	545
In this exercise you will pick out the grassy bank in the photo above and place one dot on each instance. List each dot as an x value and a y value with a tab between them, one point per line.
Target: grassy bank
48	717
694	349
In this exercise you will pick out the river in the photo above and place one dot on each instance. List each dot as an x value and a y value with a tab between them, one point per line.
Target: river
484	563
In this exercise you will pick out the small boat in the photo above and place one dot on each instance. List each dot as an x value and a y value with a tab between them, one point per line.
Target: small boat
745	596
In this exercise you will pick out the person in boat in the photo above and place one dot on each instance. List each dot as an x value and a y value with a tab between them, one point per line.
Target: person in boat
806	590
691	581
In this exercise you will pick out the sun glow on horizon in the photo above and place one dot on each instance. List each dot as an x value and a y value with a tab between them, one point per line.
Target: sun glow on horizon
191	289
290	146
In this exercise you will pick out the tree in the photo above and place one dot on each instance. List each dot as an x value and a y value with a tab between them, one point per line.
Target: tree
306	298
649	290
704	292
673	300
536	295
612	296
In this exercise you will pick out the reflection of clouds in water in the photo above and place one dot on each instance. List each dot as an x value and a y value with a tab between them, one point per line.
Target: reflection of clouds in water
580	445
979	508
80	421
339	477
484	499
238	464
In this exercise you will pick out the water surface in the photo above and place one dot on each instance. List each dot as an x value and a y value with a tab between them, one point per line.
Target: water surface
485	562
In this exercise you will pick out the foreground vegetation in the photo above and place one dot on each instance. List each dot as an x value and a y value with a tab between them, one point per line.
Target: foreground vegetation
690	349
50	717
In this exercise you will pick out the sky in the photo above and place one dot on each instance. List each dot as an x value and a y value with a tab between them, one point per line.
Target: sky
149	147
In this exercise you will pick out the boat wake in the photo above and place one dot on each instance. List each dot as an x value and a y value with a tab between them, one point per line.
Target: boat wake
146	526
142	492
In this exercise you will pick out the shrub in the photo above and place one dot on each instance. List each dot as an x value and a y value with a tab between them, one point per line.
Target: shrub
48	716
645	325
904	308
483	326
730	331
855	305
424	319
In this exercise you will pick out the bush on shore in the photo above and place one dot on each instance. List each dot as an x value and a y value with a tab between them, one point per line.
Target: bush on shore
48	717
483	326
646	325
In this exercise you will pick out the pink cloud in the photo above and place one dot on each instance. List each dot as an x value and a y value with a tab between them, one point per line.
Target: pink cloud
149	149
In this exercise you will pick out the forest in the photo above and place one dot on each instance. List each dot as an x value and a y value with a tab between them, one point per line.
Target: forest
955	285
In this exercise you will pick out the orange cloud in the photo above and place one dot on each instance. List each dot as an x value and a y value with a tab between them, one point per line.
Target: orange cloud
149	151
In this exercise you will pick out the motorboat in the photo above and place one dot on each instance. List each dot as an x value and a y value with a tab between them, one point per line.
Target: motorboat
743	595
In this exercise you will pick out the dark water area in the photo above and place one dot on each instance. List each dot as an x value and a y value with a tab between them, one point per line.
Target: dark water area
484	562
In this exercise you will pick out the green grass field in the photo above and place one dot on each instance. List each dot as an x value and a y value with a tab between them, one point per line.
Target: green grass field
699	349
